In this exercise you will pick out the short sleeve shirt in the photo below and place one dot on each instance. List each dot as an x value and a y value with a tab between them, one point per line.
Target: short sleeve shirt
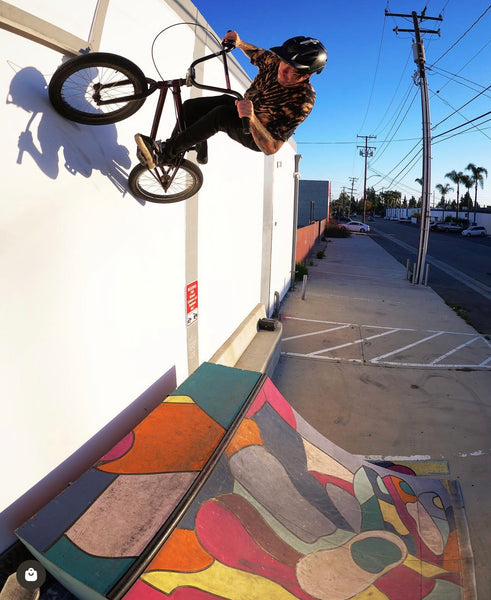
280	109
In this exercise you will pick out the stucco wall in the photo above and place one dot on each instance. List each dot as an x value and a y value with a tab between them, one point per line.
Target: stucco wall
92	281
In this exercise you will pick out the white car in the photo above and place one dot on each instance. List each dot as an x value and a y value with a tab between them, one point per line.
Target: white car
475	230
356	226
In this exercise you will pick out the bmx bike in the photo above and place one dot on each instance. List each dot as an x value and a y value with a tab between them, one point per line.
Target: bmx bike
102	88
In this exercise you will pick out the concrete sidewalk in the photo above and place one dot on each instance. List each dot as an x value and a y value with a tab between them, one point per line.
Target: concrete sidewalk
387	370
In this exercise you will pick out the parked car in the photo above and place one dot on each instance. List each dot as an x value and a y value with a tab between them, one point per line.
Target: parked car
475	230
356	226
449	227
404	219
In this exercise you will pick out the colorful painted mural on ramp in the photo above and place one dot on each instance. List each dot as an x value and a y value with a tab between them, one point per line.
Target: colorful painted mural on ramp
284	514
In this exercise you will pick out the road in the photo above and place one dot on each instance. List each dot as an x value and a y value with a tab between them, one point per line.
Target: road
460	268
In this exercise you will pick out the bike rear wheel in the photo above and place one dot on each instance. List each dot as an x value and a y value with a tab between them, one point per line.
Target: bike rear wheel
166	184
78	84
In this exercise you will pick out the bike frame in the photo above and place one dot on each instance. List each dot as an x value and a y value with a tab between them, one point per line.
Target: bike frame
165	174
175	86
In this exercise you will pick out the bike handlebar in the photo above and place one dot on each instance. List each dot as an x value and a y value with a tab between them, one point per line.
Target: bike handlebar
191	77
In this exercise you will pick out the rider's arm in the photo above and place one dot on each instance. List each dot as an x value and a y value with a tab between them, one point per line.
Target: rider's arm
246	48
264	140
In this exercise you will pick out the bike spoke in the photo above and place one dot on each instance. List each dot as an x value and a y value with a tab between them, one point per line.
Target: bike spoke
79	89
156	182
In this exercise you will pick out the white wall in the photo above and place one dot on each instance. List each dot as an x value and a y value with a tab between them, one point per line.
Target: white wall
92	281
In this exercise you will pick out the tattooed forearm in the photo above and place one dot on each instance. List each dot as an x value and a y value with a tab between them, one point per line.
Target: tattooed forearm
264	141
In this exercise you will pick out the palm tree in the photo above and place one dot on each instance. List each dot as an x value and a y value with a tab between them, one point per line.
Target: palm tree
468	183
477	178
456	178
443	189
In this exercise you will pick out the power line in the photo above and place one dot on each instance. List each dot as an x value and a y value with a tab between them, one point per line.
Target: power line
463	35
462	125
352	142
386	111
375	76
398	127
477	126
456	75
463	105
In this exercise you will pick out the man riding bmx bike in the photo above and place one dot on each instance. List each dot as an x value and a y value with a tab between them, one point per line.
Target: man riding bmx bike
277	101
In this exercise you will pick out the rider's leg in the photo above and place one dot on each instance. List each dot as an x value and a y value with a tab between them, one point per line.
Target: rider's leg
204	117
193	110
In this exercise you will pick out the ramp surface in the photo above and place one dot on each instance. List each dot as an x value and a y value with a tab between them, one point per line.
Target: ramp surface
286	514
280	514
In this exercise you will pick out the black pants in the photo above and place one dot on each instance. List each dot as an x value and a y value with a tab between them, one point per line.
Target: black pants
206	116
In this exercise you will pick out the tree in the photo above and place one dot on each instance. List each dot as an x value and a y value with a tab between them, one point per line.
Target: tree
340	205
456	178
443	189
392	198
477	178
467	181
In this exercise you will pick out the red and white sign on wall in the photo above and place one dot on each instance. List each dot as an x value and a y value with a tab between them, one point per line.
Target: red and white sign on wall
191	302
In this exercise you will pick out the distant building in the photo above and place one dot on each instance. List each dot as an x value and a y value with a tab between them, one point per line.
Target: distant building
313	201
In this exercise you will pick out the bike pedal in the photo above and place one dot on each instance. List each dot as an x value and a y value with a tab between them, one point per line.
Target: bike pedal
141	158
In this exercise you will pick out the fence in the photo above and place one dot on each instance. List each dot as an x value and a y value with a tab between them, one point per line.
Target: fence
307	238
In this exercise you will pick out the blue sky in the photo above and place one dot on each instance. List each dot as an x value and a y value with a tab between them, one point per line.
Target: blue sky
367	87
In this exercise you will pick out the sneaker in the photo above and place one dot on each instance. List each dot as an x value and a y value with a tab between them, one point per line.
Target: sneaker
148	150
202	153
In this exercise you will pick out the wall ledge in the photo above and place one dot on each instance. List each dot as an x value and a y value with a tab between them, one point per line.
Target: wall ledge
249	348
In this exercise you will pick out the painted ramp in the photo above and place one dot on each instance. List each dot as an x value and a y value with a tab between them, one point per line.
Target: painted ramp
276	512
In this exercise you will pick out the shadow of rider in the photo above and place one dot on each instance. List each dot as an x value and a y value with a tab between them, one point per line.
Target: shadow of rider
85	148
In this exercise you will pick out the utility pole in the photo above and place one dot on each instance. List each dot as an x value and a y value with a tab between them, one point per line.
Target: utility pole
352	179
419	59
366	151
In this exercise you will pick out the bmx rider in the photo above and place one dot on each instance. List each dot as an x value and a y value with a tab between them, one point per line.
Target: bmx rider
277	101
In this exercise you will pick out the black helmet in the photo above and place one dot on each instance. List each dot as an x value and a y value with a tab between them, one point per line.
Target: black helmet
302	53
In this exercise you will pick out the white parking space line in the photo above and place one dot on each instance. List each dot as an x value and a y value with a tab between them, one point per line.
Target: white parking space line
473	350
303	335
440	358
331	358
430	337
422	457
360	341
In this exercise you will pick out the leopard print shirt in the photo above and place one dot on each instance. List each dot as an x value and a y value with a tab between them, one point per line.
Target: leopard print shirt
280	109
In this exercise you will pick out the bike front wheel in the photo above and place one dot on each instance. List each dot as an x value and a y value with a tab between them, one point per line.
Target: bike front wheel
78	87
166	184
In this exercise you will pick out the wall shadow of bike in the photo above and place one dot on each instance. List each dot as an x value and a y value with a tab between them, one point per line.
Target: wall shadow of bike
85	149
